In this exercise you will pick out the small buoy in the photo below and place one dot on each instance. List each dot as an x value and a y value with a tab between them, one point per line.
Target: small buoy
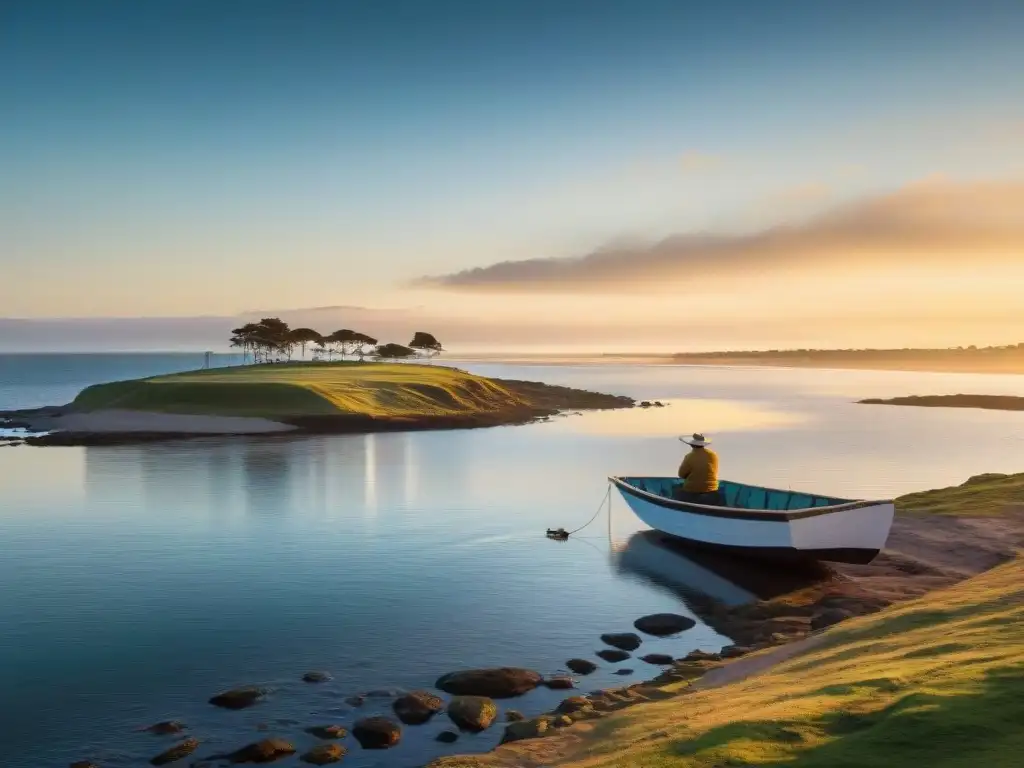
558	533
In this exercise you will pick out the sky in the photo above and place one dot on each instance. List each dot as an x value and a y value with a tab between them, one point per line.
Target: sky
679	174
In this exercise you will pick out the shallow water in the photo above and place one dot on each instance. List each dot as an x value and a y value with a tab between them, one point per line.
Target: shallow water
140	580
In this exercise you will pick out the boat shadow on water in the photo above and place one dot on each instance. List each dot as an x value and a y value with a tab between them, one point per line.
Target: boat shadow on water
696	575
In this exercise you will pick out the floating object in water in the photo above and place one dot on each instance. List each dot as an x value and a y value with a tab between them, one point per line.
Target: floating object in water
558	533
753	521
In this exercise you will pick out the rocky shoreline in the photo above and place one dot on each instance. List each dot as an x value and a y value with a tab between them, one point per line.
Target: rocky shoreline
794	611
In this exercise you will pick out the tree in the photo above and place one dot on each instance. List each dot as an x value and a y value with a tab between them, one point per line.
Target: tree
362	341
393	352
426	343
304	336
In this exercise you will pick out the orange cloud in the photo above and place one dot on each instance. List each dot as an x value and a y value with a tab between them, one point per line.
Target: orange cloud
929	224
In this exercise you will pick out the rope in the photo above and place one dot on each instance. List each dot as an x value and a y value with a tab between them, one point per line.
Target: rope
607	499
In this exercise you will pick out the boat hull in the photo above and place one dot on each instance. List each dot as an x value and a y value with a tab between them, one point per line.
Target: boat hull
849	533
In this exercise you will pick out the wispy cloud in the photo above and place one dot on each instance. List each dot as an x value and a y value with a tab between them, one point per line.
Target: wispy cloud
927	224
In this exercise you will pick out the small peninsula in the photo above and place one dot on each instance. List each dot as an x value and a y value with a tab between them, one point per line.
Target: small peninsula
301	397
987	402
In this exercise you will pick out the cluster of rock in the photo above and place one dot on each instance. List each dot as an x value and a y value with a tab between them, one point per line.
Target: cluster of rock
471	706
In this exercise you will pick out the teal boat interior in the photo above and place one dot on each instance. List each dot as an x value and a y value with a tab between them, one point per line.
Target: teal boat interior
740	495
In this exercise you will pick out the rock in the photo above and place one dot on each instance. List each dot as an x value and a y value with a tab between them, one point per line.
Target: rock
658	404
83	764
328	731
613	656
734	651
317	677
624	641
828	617
166	727
562	721
560	683
527	729
355	701
661	624
660	659
581	666
500	683
179	751
623	671
701	656
472	713
447	737
377	732
238	698
573	704
265	751
514	716
417	707
324	754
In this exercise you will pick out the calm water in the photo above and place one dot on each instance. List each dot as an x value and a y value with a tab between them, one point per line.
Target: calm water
138	581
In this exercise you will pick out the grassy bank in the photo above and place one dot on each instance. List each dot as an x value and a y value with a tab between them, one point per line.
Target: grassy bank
981	496
304	390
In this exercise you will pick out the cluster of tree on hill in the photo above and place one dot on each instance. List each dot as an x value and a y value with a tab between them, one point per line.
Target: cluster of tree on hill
272	340
1006	350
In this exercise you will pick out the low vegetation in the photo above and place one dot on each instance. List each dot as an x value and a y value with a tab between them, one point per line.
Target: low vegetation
371	390
982	495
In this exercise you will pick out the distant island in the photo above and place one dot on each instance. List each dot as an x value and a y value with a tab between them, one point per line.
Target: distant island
988	402
299	397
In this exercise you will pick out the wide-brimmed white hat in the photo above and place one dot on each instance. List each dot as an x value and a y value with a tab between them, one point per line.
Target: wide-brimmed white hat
696	439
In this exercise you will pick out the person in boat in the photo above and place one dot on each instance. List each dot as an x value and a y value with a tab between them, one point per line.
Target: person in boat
699	472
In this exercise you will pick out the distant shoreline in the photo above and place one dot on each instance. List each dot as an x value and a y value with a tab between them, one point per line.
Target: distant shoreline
985	402
910	364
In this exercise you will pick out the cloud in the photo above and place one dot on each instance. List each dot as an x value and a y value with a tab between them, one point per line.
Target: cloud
928	224
695	162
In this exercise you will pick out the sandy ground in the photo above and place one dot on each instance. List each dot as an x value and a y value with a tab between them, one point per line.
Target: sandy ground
116	421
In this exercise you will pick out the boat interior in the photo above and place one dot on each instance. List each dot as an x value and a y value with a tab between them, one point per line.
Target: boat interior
740	495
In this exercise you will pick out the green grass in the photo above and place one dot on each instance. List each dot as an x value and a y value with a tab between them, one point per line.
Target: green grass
380	390
982	495
933	683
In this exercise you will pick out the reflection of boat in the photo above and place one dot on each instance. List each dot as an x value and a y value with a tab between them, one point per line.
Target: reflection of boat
662	560
764	522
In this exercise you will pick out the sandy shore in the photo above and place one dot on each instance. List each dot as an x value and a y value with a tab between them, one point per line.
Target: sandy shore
125	422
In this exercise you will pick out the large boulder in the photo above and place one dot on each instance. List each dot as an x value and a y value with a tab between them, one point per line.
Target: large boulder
179	751
447	737
239	698
324	754
573	704
661	624
698	655
612	655
581	666
377	732
624	641
527	729
498	683
472	713
265	751
416	707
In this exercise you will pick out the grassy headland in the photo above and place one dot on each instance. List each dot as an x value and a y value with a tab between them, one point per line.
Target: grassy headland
338	397
988	495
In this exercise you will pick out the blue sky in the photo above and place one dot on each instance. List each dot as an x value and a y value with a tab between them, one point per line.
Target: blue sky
161	157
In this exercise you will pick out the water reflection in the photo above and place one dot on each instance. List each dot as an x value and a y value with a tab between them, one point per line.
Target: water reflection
665	564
